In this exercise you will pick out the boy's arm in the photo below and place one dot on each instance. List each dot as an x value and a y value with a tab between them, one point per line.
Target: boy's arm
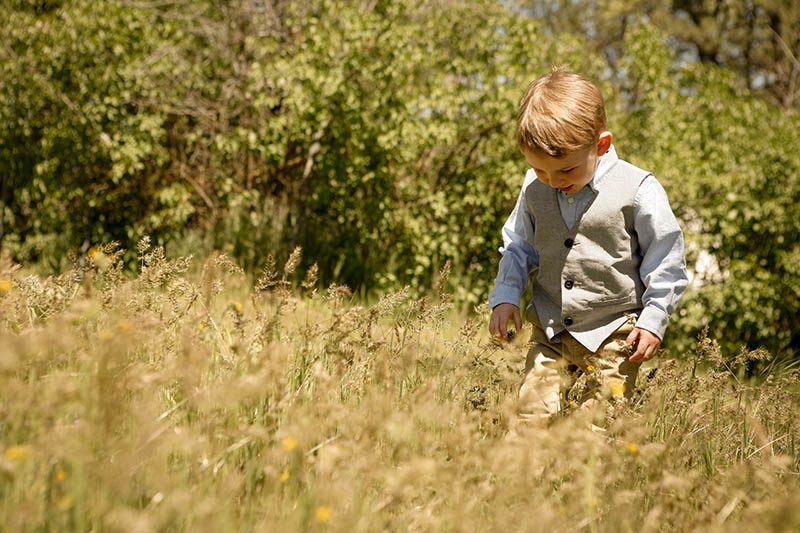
663	267
519	258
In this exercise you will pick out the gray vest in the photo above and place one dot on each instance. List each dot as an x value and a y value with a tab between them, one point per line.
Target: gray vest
588	277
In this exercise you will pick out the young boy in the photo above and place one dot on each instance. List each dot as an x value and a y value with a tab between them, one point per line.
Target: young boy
606	246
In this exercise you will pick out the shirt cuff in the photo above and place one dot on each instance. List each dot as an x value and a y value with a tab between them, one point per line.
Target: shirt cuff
504	294
653	320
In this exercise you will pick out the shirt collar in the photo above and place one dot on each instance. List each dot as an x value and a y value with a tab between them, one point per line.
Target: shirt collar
607	160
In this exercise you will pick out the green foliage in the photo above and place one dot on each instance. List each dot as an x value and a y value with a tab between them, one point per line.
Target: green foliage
378	137
80	158
730	165
370	134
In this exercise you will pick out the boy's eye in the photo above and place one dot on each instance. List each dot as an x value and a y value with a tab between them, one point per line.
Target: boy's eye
568	170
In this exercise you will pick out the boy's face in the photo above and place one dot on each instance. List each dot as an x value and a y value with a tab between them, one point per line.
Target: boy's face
570	173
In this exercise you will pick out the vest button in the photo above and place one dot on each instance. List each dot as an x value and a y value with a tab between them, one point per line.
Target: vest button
568	284
568	243
568	321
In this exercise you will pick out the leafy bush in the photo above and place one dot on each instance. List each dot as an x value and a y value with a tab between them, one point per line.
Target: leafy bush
376	137
730	164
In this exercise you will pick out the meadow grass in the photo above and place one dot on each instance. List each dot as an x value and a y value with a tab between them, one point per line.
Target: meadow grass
188	398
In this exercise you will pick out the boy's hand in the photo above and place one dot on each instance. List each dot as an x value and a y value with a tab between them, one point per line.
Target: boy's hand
501	314
646	344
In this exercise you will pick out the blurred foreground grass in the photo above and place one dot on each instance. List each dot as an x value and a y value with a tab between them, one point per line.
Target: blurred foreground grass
194	400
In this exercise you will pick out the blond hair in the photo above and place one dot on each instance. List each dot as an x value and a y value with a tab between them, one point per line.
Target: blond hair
560	113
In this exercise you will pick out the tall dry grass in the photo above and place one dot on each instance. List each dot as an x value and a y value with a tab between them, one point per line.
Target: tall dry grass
188	399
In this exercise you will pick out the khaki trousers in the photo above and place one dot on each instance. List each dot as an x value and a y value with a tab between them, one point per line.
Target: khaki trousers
566	374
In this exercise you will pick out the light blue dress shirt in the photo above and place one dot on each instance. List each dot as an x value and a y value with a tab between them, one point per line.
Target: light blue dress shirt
663	266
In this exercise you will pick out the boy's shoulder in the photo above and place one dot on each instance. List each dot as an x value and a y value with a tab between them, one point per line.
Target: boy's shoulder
624	176
624	168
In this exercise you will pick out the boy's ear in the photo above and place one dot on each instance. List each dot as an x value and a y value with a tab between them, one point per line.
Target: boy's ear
604	142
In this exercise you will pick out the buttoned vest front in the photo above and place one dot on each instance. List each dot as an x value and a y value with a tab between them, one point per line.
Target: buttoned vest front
588	276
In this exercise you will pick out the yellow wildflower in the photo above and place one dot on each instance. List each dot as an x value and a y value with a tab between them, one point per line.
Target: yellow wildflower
284	476
101	260
237	306
5	286
65	502
124	326
18	453
105	335
632	448
290	443
323	514
591	369
618	389
61	475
